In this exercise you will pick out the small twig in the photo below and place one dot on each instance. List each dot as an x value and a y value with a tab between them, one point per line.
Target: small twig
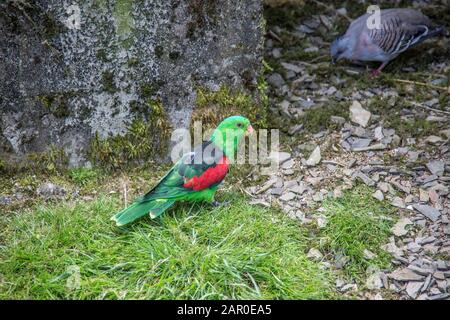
331	8
246	192
274	35
125	194
318	58
429	108
421	84
334	163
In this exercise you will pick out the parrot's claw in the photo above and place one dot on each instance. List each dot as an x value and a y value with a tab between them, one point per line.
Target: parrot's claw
220	204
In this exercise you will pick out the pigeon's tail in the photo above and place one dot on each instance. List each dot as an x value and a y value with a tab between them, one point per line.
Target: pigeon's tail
420	37
435	32
138	209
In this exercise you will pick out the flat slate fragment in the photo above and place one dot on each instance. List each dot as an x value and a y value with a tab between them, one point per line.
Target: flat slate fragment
431	213
405	274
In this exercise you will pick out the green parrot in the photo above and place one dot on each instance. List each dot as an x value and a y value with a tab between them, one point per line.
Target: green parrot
195	177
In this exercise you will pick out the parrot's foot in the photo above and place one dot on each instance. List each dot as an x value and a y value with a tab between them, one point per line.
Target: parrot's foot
220	204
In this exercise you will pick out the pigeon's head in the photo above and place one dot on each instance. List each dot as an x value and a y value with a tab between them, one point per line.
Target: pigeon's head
339	49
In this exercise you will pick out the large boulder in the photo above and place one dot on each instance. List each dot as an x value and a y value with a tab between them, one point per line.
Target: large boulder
87	69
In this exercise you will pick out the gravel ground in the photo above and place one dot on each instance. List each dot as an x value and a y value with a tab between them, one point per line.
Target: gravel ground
345	128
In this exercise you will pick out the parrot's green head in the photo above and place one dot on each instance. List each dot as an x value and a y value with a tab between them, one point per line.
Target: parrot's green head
229	132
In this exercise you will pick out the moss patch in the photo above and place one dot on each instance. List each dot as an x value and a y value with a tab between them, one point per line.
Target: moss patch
139	144
318	119
108	82
123	18
358	222
213	106
52	161
55	104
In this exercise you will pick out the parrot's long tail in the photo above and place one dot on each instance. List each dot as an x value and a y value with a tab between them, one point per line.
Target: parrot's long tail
138	209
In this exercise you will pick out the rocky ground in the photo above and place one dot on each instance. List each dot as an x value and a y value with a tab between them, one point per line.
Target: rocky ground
346	128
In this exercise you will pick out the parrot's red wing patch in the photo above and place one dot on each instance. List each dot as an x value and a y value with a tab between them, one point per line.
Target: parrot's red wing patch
211	176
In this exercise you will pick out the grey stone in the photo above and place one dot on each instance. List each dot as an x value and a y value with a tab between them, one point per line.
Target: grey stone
295	129
276	191
288	164
446	229
433	139
288	196
279	157
436	119
399	229
436	167
5	200
50	190
378	195
378	133
62	85
290	183
369	254
267	186
374	281
300	189
398	202
291	67
439	275
443	285
337	120
322	222
405	274
317	197
314	254
440	296
314	158
358	114
413	288
426	284
349	287
414	247
373	147
340	260
358	143
276	80
428	211
306	104
364	178
419	270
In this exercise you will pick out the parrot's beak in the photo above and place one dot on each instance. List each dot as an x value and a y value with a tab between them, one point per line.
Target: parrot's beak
249	130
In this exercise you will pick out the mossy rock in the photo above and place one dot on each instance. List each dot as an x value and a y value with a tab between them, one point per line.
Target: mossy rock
108	82
213	106
52	161
56	105
138	144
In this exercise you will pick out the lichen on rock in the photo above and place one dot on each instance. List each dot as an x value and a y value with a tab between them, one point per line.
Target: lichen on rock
66	87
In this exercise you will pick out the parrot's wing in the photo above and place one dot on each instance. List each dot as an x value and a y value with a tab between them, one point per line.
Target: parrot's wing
204	167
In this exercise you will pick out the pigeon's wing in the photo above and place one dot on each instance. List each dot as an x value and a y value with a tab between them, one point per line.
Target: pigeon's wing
400	29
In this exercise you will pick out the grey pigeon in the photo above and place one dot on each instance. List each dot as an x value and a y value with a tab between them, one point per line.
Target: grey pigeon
399	30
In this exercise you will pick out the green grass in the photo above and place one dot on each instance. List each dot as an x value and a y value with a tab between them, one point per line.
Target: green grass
356	222
192	252
83	176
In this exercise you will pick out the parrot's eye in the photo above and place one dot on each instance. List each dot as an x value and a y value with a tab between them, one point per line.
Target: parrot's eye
239	125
